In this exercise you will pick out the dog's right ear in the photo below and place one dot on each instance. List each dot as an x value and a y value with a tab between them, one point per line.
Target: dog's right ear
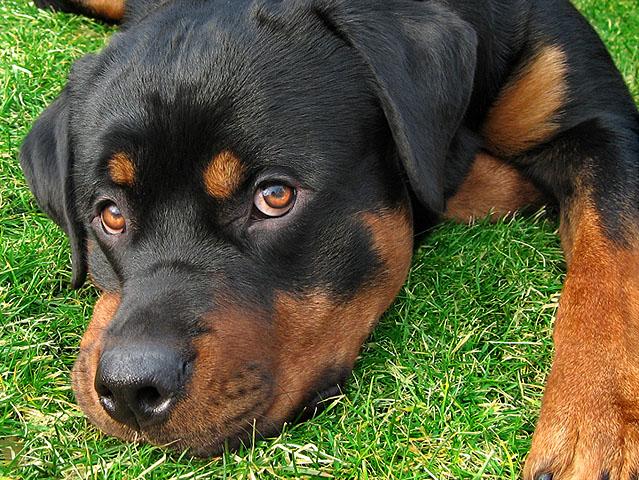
46	160
421	57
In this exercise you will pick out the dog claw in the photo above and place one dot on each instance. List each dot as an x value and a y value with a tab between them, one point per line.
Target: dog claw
543	476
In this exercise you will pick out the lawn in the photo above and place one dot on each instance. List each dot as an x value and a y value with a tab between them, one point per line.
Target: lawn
448	386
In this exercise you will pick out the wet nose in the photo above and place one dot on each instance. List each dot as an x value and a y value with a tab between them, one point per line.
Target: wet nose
138	385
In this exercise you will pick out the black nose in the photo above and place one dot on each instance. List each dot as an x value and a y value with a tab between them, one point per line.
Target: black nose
138	385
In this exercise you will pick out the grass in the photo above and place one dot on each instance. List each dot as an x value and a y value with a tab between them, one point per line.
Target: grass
448	386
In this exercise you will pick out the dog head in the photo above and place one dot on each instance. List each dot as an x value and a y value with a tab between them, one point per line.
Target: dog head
232	175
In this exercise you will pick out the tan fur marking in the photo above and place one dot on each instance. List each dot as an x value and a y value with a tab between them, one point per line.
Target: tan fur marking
111	9
122	169
86	365
491	188
229	388
314	332
590	415
525	113
223	175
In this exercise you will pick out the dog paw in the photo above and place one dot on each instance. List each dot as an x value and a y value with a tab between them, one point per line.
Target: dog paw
584	438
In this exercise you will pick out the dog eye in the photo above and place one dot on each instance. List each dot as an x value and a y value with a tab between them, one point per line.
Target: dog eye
113	221
274	200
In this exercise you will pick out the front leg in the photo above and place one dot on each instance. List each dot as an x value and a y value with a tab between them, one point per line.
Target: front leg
589	424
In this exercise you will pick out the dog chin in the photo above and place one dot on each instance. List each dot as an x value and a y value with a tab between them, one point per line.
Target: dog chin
212	443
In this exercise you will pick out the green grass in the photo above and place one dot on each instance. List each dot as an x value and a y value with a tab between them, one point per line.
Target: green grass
449	385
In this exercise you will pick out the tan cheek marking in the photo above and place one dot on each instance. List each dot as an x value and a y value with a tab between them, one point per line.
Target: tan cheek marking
314	332
86	365
122	169
227	381
223	175
103	313
525	113
491	188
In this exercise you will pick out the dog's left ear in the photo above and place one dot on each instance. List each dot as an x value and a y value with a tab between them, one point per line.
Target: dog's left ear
45	158
422	58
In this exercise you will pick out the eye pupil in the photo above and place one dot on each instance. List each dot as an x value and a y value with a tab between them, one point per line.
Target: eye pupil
277	196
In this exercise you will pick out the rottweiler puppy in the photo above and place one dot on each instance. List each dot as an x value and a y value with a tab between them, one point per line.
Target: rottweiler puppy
242	179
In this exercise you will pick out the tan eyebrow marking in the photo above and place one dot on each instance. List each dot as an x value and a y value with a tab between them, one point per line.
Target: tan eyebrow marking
223	175
122	169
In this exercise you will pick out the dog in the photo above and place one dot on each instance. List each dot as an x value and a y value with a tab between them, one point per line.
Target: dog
242	181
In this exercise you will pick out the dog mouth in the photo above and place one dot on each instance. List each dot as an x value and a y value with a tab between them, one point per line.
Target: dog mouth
214	428
244	432
197	437
209	443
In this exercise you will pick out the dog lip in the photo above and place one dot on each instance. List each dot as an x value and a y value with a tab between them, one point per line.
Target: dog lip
256	425
318	403
326	394
215	442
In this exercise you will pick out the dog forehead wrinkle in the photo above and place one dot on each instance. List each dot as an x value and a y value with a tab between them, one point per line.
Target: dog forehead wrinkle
165	316
197	256
186	88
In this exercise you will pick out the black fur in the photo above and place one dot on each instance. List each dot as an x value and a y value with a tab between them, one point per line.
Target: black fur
359	104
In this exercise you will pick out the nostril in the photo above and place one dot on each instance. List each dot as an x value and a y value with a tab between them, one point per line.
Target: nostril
113	404
149	396
152	401
100	384
107	400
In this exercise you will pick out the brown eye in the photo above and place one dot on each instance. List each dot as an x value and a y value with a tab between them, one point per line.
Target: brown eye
112	219
274	200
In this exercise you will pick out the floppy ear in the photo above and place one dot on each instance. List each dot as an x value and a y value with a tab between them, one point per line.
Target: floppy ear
46	161
422	58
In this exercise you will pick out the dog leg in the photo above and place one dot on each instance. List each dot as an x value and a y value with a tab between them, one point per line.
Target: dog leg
589	423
